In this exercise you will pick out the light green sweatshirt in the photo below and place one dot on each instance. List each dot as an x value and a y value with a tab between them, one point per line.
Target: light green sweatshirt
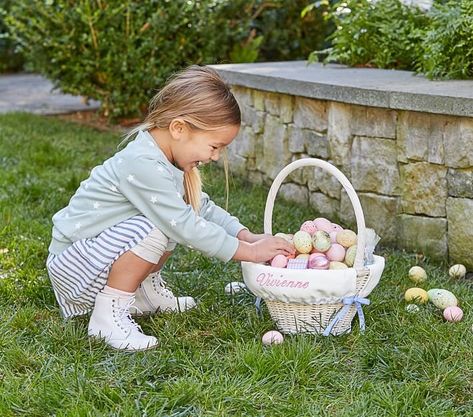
140	180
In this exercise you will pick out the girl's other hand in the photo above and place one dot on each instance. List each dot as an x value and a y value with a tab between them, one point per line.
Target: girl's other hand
250	237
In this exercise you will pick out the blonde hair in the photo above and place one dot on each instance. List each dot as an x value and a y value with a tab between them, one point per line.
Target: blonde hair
200	97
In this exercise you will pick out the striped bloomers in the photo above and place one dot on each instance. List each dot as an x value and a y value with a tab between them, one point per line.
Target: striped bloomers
81	271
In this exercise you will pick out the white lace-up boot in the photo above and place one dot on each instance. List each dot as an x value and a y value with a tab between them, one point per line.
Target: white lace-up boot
152	296
111	321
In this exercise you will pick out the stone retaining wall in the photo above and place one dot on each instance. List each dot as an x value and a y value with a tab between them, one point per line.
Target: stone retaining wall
412	171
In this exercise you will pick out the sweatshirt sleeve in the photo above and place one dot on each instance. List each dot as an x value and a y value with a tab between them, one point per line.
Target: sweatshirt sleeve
149	185
213	213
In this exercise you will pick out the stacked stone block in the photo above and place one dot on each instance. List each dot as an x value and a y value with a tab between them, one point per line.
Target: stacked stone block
413	172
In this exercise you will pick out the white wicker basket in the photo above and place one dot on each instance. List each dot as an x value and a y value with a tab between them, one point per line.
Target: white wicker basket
308	300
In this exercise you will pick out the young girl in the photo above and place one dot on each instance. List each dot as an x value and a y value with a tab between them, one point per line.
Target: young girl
109	244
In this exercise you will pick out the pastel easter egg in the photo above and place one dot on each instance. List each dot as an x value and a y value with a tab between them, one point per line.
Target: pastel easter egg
336	252
346	238
303	256
417	274
279	261
273	337
319	262
321	223
350	255
416	295
333	236
309	227
302	242
336	227
453	314
412	308
287	237
457	271
337	265
234	287
441	298
321	241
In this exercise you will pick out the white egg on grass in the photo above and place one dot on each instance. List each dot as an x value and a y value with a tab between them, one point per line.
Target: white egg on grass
234	287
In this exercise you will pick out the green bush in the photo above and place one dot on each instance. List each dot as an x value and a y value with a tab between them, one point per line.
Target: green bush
10	58
448	44
120	52
383	34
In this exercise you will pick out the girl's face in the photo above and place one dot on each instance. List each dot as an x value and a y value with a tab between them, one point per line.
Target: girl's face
195	146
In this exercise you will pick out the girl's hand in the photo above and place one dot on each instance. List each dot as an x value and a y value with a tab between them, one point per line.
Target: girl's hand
267	248
246	236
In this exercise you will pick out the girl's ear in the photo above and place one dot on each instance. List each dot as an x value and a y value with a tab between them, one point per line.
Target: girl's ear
178	128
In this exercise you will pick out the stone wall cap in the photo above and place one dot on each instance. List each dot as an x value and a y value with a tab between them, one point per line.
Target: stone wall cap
392	89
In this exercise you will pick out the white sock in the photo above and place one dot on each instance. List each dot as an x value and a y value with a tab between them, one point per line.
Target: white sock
114	291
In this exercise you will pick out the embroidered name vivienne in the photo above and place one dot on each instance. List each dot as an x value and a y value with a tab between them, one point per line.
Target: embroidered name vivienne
268	280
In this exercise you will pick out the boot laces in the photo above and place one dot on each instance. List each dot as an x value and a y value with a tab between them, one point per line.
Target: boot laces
160	286
125	318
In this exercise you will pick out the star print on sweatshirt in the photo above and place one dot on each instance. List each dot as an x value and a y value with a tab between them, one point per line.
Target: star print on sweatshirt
140	180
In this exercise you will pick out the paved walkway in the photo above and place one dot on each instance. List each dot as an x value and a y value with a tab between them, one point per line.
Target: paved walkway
33	93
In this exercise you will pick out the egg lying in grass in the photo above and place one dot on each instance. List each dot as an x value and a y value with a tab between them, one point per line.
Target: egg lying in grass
273	337
453	314
457	271
417	274
234	287
416	295
442	298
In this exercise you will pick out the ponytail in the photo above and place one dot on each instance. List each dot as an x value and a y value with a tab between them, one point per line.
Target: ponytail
193	188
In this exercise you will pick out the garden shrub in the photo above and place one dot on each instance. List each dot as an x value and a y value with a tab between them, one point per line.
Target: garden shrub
383	34
10	58
120	52
448	44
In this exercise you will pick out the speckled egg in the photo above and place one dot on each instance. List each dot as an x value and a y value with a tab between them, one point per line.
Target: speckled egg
336	252
321	223
453	314
309	227
279	261
442	298
303	242
337	265
416	295
321	241
350	255
346	238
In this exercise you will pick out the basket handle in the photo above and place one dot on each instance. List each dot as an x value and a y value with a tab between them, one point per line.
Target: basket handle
304	162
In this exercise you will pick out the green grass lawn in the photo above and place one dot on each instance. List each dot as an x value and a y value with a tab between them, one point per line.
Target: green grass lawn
210	361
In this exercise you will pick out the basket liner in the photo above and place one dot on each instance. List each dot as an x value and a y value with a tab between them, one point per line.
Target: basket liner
308	286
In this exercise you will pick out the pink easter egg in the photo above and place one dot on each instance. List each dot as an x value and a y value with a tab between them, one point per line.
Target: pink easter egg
273	337
309	227
279	261
453	314
336	253
333	236
319	262
321	223
336	227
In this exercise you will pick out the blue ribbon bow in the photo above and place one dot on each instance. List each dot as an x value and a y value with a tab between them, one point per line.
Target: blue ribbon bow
347	302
